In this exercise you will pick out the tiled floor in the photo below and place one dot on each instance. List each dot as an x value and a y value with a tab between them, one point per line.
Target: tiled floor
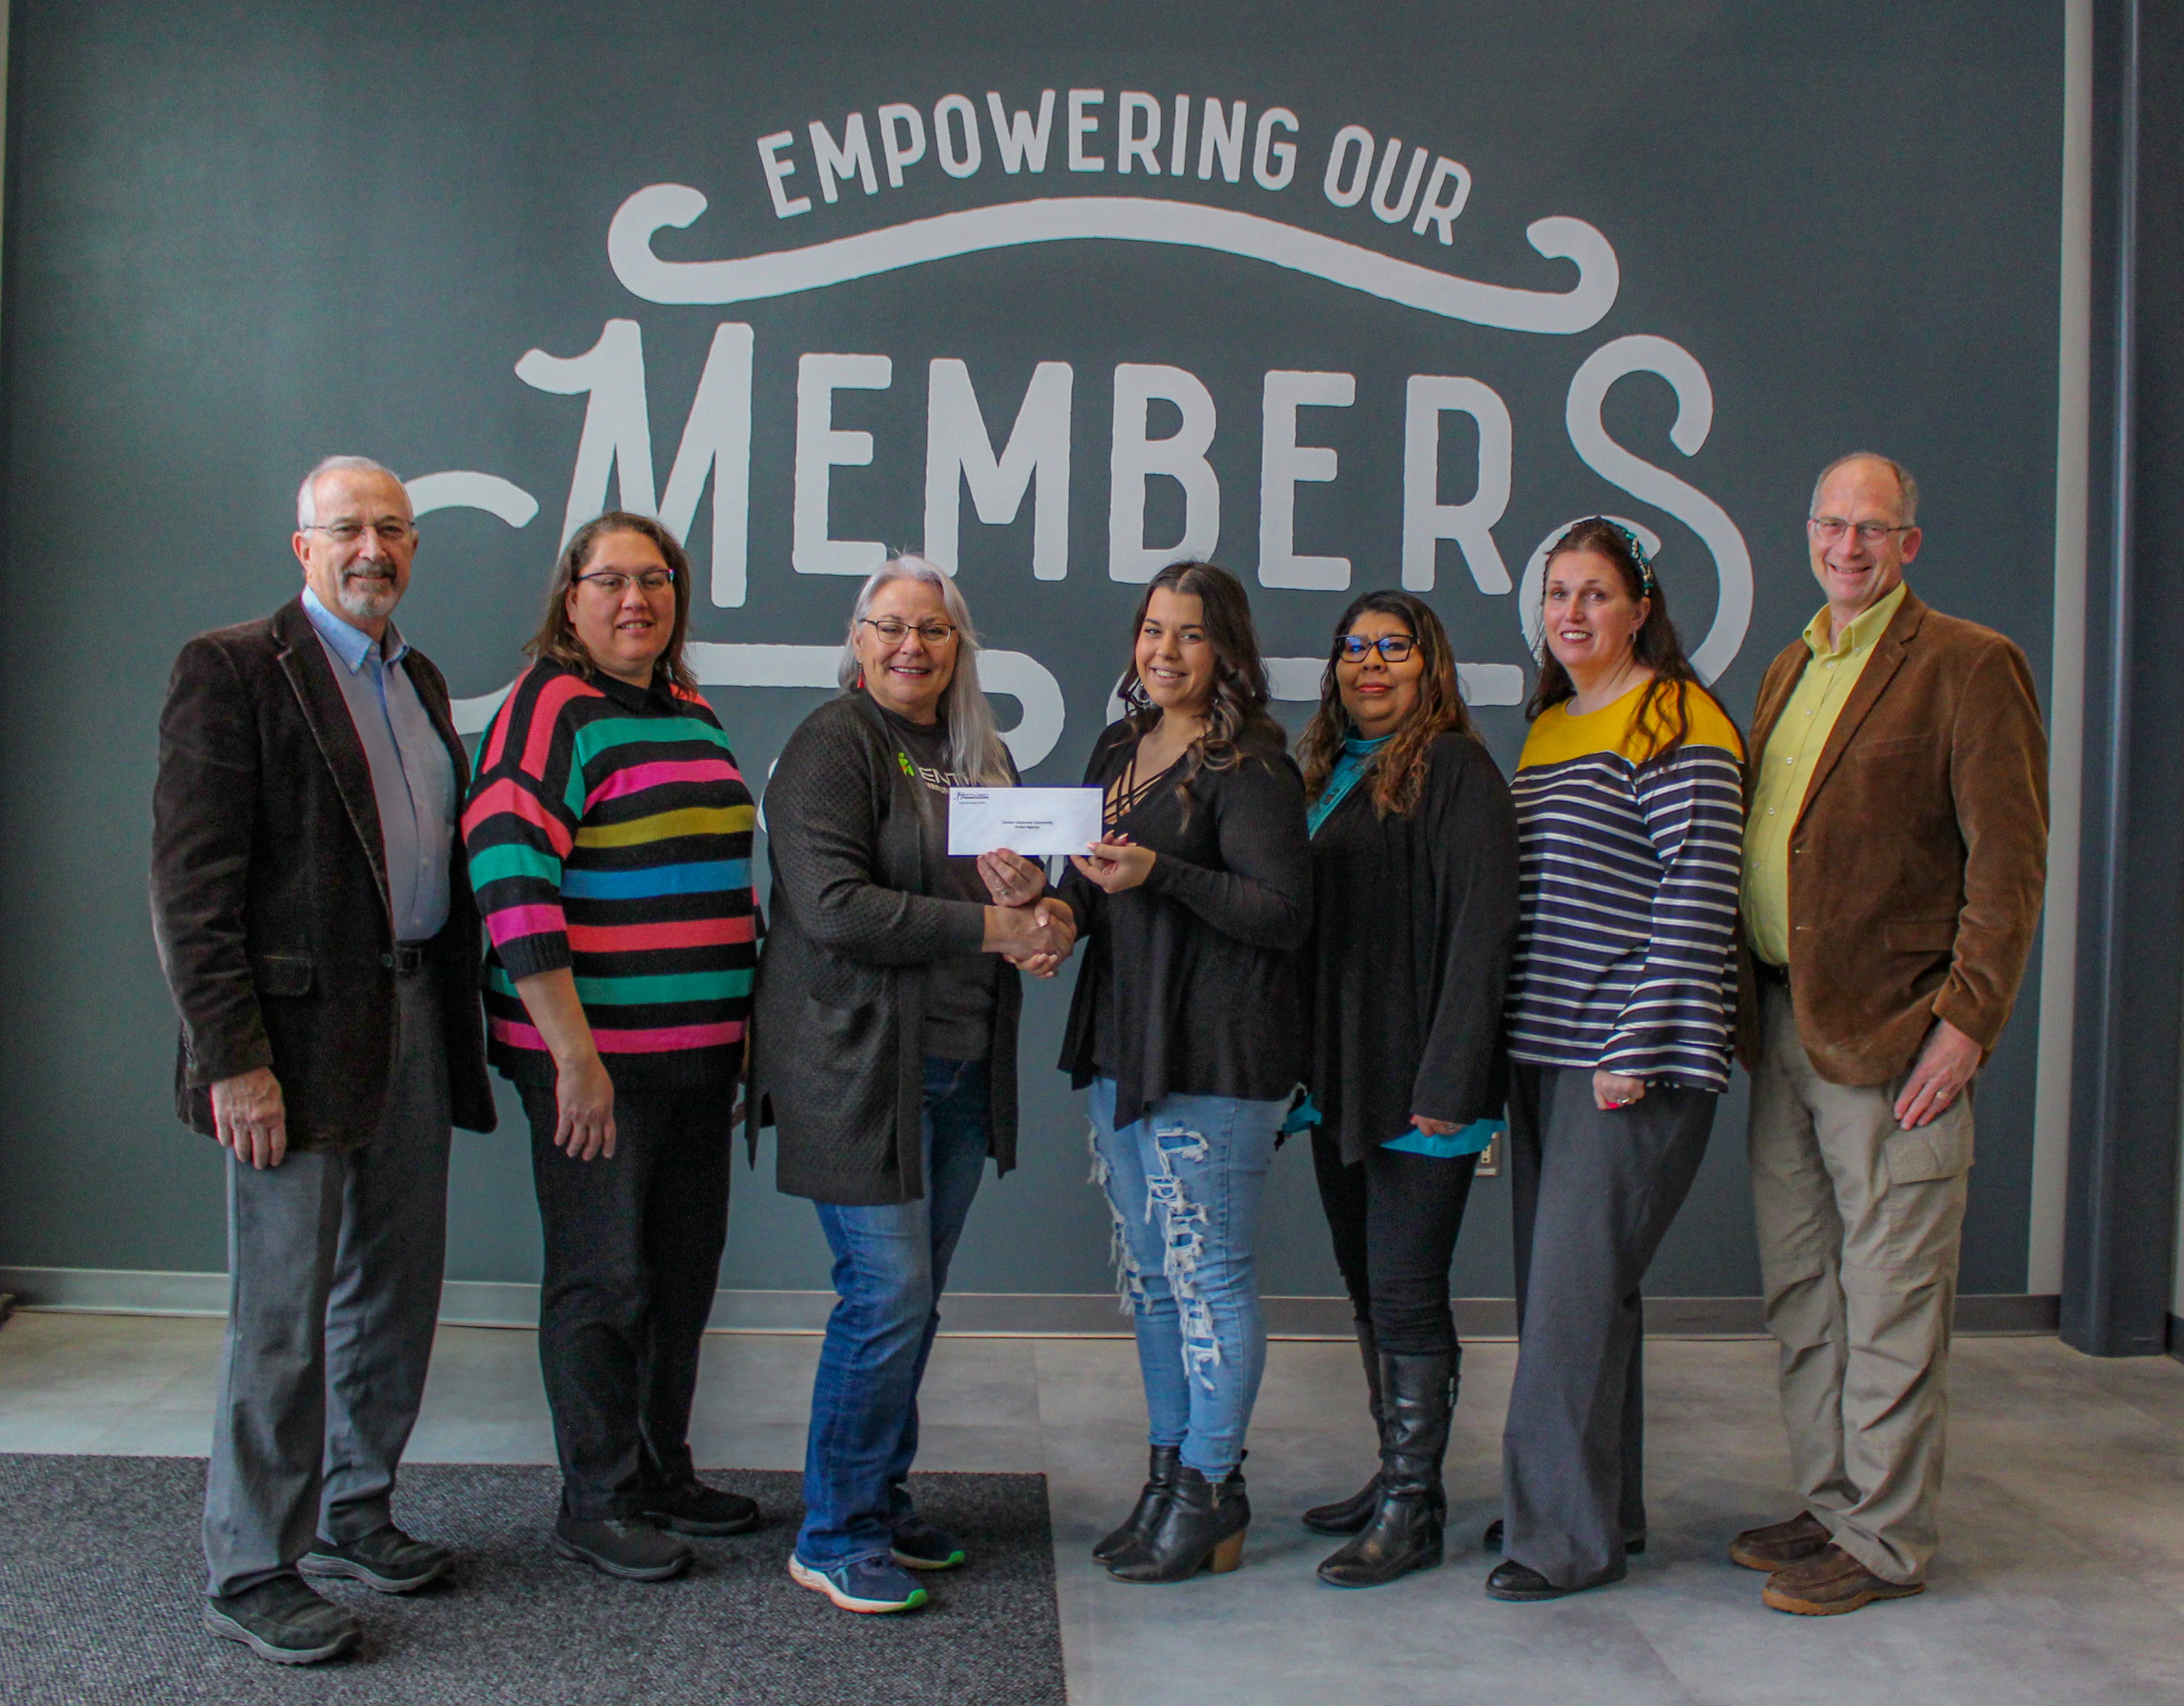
2062	1580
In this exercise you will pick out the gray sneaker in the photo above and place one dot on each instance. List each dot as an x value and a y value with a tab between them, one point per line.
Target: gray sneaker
386	1560
282	1620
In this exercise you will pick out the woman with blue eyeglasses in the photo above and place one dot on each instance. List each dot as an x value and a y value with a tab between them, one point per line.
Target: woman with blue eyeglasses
1414	911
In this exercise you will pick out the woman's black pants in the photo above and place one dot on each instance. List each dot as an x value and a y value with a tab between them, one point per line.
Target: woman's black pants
633	1244
1395	1216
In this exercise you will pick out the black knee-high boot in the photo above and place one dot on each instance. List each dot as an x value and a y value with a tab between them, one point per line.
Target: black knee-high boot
1405	1531
1347	1516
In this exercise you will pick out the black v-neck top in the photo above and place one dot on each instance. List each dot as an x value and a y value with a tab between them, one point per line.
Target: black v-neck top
1189	983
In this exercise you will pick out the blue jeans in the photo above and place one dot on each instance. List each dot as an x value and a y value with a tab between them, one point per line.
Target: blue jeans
1184	1185
890	1267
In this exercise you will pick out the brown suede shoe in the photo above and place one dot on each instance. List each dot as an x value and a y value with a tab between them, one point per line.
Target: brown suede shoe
1779	1543
1830	1583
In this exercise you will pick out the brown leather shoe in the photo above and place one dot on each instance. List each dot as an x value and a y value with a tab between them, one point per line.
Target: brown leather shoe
1830	1583
1779	1543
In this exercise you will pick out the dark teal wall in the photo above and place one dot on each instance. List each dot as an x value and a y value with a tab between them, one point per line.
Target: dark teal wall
239	238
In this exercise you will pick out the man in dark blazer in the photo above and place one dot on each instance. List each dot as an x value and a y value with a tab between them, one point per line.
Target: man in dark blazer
318	932
1895	856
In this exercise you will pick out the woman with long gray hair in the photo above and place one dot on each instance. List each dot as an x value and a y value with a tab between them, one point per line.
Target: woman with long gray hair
886	1046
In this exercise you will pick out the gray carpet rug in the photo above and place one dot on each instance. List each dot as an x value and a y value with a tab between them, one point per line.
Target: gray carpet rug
101	1581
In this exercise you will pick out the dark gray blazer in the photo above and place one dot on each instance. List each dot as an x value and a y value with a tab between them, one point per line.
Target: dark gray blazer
840	1006
268	888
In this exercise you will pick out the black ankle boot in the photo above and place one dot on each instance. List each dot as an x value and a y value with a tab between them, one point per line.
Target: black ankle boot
1202	1524
1138	1526
1405	1533
1348	1515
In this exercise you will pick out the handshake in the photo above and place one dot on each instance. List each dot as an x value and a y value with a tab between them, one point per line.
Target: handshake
1025	926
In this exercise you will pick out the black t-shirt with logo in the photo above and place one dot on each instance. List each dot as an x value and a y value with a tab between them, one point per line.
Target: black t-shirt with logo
959	989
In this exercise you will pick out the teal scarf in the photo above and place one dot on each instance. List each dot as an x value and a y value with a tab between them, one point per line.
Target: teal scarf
1356	755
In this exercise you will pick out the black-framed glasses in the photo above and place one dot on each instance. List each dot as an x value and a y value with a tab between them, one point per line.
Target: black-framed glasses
892	629
1829	529
614	583
1395	648
348	533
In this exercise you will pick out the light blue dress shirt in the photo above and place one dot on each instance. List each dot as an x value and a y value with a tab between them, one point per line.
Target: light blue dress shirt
412	777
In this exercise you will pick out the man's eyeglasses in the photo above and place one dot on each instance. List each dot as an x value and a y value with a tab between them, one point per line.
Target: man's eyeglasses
892	629
1352	648
1829	529
390	532
614	583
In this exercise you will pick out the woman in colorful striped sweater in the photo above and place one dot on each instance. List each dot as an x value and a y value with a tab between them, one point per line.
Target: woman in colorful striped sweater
609	833
1631	820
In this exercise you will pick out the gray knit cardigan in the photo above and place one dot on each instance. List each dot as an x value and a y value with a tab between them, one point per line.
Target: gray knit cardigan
839	1008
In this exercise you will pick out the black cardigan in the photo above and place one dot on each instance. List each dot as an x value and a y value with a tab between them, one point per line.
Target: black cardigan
1200	959
1412	922
838	1010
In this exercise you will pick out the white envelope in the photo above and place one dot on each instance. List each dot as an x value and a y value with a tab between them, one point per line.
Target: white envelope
1034	821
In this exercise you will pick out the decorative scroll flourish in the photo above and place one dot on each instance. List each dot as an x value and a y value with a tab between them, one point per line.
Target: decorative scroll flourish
1117	218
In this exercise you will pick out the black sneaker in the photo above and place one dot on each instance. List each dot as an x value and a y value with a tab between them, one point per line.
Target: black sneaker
386	1560
693	1507
918	1545
282	1620
625	1546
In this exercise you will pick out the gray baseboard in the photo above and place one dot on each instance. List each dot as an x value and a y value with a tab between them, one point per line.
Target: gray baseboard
969	1314
2176	1337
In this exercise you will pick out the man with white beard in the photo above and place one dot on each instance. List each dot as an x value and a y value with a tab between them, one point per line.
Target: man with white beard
318	936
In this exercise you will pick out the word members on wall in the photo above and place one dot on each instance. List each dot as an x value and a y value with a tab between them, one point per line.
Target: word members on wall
827	172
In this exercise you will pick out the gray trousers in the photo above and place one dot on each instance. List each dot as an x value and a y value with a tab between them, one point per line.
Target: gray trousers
1594	1193
1859	1225
334	1266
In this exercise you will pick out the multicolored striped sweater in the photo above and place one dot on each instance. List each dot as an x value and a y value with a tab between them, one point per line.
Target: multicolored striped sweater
1626	938
610	831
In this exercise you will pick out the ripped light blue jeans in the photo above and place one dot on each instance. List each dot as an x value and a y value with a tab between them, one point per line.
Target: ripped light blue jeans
1184	1185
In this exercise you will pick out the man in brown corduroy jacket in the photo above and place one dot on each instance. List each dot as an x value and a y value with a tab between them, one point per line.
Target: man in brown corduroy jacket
1895	856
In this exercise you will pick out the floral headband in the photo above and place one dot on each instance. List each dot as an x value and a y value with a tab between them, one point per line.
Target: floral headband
1647	586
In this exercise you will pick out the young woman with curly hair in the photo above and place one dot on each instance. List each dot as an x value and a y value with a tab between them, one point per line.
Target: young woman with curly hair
1186	1026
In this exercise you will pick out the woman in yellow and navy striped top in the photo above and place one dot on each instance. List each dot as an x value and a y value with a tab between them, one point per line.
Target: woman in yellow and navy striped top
609	834
1625	957
1630	827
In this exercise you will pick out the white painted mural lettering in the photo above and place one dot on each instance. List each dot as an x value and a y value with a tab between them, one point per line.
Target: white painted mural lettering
1007	449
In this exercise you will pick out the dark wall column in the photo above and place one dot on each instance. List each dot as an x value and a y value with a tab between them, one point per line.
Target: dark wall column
2125	1103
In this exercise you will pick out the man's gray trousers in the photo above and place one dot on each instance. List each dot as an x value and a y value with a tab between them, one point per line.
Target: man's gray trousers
334	1264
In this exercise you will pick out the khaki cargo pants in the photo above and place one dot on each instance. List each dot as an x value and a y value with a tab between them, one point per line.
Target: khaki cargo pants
1860	1226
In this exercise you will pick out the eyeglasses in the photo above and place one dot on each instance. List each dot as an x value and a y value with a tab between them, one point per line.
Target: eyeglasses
892	629
614	583
390	532
1352	648
1830	528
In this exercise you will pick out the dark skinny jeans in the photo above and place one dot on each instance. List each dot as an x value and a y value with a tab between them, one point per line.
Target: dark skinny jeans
1395	1216
633	1245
